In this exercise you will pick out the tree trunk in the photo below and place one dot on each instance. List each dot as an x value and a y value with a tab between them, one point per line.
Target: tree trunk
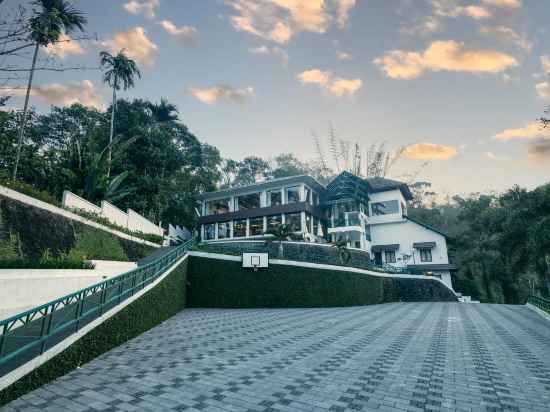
25	108
113	108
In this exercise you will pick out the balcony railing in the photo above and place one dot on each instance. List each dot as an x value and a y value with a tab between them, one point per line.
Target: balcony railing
347	219
27	335
541	303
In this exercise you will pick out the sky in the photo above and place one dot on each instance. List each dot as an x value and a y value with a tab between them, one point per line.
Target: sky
458	83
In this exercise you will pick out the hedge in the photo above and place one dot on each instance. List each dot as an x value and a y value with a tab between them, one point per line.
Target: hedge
36	231
155	306
225	284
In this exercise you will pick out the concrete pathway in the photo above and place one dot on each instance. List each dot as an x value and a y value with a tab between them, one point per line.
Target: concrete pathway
392	357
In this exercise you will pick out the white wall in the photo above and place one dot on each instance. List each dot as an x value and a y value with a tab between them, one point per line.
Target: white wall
384	196
24	289
136	222
405	233
76	202
114	214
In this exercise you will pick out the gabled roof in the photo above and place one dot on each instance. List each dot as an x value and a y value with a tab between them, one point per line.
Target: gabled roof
347	186
381	184
426	226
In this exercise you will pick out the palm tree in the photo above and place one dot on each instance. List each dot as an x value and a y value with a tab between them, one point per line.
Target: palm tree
164	111
343	253
279	234
120	72
52	18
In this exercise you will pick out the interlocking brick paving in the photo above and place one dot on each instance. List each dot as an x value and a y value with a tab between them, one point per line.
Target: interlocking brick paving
392	357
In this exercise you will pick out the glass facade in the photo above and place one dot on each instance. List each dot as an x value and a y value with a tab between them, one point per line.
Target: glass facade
345	214
388	207
274	221
217	207
309	223
257	226
293	194
210	231
316	226
224	230
239	228
275	197
246	202
294	220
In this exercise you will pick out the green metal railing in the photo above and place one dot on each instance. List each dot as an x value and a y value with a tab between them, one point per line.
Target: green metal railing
28	334
539	302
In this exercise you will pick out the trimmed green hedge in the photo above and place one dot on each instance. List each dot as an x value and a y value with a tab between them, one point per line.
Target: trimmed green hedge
33	231
225	284
160	303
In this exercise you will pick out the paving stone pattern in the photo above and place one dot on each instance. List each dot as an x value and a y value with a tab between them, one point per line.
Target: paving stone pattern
391	357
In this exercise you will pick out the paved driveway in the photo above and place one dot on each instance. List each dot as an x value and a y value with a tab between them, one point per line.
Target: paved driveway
392	357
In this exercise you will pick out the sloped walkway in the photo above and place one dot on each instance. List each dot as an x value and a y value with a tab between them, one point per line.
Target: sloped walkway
392	357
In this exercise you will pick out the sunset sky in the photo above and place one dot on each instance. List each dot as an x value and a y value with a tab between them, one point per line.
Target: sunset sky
460	82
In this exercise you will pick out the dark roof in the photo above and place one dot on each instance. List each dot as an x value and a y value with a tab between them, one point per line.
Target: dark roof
381	184
424	245
381	248
425	225
347	185
433	266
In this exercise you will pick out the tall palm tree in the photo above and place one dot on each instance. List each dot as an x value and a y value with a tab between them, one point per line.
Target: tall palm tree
52	18
164	111
280	234
120	72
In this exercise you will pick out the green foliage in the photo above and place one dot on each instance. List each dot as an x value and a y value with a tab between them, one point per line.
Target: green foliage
9	248
96	244
219	283
52	263
160	303
29	190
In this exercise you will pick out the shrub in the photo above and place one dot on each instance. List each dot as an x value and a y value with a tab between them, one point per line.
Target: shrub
49	264
29	190
95	244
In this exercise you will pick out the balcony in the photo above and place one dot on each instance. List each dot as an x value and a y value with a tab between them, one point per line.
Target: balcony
347	219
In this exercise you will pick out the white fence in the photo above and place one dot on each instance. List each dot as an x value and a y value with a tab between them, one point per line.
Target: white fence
131	220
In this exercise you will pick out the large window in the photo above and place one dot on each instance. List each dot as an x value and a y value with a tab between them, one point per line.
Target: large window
224	231
256	226
294	220
390	256
274	221
425	255
316	226
246	202
217	207
210	231
389	207
307	192
293	194
275	197
308	223
239	228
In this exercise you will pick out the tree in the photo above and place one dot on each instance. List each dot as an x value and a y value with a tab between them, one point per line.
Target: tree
120	72
164	111
343	252
280	234
51	19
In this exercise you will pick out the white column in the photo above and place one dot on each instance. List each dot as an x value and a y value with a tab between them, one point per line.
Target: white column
247	227
265	224
231	229
303	218
216	231
302	193
283	219
232	204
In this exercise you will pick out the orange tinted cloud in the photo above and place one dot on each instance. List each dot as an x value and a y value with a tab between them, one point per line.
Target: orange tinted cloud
430	151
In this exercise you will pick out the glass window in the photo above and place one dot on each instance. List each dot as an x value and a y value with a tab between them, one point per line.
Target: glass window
239	228
246	202
390	256
217	207
315	226
294	220
257	226
274	197
224	230
293	194
315	198
308	223
274	221
425	255
388	207
307	192
210	231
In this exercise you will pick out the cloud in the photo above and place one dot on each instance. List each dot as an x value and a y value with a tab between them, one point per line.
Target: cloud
539	151
509	4
545	62
57	94
343	55
280	20
272	51
337	86
211	95
184	33
136	44
64	47
532	130
543	90
430	151
145	7
449	8
509	35
443	56
490	156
